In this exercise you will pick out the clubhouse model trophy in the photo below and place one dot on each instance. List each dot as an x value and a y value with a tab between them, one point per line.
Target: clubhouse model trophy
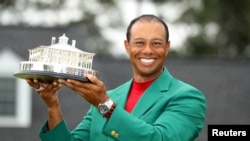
59	60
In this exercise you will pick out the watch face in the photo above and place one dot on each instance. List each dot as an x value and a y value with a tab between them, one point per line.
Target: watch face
103	109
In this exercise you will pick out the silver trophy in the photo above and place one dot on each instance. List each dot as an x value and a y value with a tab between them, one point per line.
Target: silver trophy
59	60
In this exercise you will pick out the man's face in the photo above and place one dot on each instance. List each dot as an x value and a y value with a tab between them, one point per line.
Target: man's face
147	48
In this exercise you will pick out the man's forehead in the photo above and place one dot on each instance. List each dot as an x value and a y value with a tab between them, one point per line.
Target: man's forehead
150	28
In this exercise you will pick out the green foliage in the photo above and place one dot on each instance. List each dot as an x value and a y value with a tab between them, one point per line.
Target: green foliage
233	20
198	46
107	2
232	17
6	3
230	20
93	39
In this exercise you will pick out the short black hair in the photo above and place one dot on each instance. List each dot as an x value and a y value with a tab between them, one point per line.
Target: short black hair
146	18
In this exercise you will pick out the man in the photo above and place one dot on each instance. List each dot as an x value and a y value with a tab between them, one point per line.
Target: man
152	106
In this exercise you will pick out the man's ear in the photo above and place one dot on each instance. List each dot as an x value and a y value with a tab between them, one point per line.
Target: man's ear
126	45
167	47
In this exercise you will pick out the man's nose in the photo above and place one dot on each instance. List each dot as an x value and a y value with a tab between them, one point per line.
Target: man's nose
147	48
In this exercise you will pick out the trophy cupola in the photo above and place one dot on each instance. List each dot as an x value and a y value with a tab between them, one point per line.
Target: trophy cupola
63	39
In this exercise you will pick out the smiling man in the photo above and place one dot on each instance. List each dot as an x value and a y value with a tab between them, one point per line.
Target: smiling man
147	45
152	106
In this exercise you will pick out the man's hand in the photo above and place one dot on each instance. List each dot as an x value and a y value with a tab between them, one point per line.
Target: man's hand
94	92
47	91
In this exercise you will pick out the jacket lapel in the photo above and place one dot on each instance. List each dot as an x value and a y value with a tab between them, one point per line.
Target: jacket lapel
121	95
153	93
157	89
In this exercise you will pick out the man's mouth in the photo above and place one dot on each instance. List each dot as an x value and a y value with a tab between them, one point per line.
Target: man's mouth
147	61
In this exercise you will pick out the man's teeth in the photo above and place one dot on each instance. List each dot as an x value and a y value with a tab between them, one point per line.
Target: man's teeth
147	60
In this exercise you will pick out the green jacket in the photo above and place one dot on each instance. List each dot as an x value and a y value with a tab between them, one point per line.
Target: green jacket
169	110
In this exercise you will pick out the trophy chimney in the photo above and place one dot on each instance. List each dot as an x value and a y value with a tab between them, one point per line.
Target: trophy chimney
73	43
53	40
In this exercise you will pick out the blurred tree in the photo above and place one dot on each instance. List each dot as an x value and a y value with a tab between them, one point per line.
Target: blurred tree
231	21
218	28
223	26
51	13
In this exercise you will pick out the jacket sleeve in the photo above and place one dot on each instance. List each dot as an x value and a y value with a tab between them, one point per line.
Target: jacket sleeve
58	133
62	133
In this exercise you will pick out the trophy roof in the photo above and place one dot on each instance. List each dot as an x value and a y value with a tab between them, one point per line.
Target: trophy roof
68	48
63	45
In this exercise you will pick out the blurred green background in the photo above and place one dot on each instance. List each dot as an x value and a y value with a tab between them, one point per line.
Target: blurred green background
207	28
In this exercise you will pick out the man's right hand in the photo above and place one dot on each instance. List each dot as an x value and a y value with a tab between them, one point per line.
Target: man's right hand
47	91
49	94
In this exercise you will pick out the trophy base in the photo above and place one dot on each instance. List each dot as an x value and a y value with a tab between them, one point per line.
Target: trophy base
48	77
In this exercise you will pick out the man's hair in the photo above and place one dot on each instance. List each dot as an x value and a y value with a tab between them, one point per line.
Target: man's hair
146	18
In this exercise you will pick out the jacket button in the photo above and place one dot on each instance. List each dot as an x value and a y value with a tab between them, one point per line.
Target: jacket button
114	134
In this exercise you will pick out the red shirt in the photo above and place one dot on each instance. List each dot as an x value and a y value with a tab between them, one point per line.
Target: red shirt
135	93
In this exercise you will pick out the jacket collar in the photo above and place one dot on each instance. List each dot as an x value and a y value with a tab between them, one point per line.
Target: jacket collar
158	88
155	91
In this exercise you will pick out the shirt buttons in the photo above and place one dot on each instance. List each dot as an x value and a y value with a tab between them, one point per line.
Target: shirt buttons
114	134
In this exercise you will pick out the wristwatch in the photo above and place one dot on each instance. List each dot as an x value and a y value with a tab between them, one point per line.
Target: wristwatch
106	108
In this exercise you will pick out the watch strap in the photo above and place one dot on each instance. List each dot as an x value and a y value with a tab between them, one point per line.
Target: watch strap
109	113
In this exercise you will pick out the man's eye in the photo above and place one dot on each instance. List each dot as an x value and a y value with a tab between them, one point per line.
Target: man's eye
139	43
157	44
